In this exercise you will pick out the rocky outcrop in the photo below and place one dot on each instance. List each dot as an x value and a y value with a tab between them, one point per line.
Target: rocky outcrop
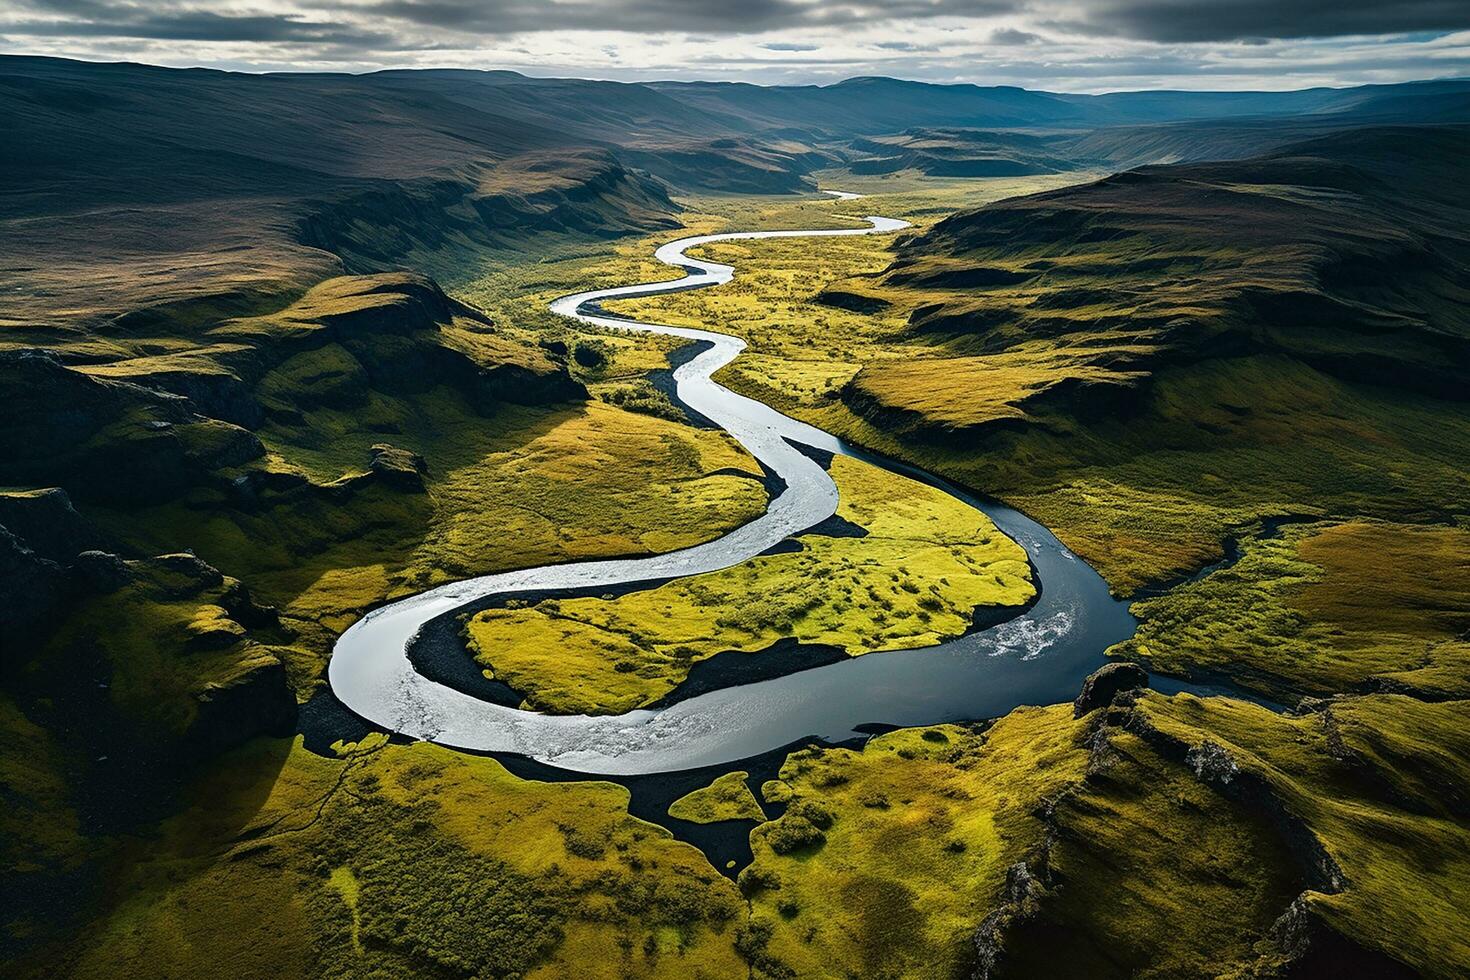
1212	763
32	587
396	333
1022	900
256	700
1215	765
106	440
398	468
1105	684
143	669
47	522
101	571
212	392
1303	943
1310	948
148	430
44	561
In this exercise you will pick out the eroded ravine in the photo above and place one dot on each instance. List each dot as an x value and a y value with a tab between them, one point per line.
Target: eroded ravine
1038	657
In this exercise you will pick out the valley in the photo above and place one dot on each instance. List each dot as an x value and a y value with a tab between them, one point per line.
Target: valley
407	573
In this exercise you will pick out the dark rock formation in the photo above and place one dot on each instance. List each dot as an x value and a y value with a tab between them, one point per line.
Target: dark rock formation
1313	949
1106	683
257	700
201	572
1212	763
215	393
48	524
101	571
32	587
398	468
1022	900
106	440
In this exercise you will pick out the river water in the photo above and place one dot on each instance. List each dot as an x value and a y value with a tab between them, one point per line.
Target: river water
1039	657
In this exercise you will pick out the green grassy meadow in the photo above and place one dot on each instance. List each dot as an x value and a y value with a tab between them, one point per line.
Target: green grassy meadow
924	566
1010	347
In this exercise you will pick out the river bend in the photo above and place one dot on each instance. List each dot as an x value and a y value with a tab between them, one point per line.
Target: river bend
1039	657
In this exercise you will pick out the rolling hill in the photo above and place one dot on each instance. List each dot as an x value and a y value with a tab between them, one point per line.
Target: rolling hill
131	186
1189	342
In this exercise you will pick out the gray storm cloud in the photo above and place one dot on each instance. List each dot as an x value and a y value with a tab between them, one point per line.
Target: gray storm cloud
1035	42
371	23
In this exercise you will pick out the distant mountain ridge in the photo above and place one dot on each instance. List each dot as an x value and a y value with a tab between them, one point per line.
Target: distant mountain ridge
227	187
1346	253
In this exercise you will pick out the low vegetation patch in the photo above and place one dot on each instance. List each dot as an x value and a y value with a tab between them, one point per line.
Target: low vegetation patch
926	563
727	798
886	859
1323	608
410	860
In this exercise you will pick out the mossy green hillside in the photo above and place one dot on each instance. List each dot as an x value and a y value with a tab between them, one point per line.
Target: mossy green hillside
41	839
1178	837
1146	872
168	642
1323	608
886	859
926	563
397	858
408	860
1153	495
1378	781
538	487
1142	381
728	797
387	439
889	861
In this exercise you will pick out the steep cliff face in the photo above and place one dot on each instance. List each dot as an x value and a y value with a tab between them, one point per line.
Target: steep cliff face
107	439
144	669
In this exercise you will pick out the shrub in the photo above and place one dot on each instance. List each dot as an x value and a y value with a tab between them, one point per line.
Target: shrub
793	833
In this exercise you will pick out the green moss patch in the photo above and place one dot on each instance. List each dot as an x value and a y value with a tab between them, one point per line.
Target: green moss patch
926	564
411	860
1321	608
1376	780
727	798
886	859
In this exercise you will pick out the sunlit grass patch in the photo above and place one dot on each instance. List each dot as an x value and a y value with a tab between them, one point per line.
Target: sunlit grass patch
1368	776
1322	608
887	858
529	487
728	797
406	861
927	563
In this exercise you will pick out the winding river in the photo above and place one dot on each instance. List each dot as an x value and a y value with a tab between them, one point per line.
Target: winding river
1039	657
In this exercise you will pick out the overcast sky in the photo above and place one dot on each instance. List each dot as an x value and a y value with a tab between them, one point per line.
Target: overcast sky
1065	45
